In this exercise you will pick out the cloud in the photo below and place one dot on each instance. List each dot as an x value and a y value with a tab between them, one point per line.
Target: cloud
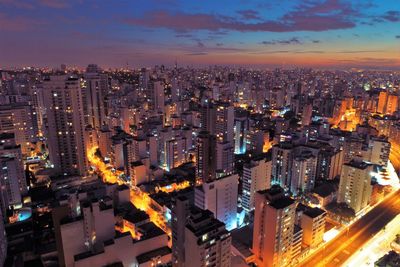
329	15
12	23
392	16
200	44
397	36
249	14
389	16
197	54
293	40
358	51
54	3
23	4
183	35
17	4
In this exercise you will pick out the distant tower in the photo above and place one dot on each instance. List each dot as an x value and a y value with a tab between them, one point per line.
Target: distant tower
205	158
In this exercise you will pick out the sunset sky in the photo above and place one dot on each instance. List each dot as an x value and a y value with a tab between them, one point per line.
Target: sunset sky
328	34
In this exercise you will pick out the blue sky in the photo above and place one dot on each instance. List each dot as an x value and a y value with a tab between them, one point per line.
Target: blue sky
317	33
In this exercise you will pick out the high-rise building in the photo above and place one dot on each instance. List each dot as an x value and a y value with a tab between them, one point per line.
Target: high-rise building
13	169
10	193
392	104
256	177
18	118
273	230
352	149
224	121
240	128
303	172
378	151
297	242
224	158
180	214
205	157
382	100
94	89
355	184
3	241
122	151
65	124
282	157
175	152
220	197
387	103
207	117
313	224
207	242
155	95
83	233
329	163
276	98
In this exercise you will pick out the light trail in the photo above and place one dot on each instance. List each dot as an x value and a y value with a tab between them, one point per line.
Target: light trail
395	154
376	247
139	199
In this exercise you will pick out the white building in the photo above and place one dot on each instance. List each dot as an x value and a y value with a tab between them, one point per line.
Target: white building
256	177
378	151
355	185
220	197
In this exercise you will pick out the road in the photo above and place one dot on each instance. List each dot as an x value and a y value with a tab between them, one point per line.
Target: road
395	155
337	251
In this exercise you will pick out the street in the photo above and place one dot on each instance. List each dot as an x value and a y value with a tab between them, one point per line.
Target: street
348	242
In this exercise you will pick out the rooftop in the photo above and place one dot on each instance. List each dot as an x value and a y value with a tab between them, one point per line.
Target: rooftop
314	212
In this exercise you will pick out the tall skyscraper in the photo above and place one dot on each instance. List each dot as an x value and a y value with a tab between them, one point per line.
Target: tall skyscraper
207	117
205	157
241	126
355	184
207	242
224	121
273	230
303	172
180	214
224	158
282	157
3	241
65	124
94	89
329	163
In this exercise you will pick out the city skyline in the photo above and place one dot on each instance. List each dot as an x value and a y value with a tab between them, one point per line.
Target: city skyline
320	34
174	133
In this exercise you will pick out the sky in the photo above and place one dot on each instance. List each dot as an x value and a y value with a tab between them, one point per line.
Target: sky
143	33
